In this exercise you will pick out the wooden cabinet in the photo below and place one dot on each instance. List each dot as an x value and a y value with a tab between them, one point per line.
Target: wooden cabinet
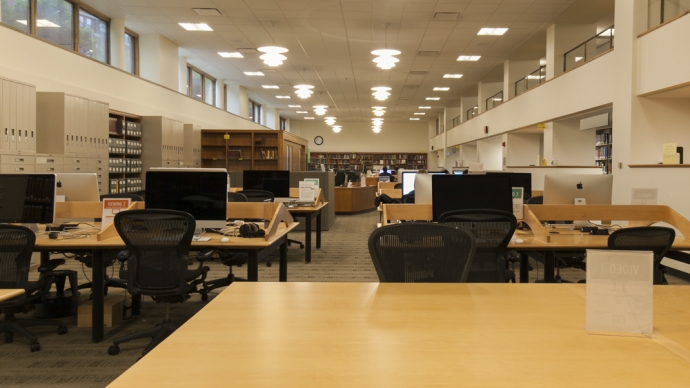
238	150
17	117
162	143
357	160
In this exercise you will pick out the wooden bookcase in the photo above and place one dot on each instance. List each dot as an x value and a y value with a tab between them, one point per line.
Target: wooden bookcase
239	150
603	150
355	161
125	150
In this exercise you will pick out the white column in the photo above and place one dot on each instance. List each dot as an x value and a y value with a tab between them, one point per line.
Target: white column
548	142
220	93
183	76
550	51
481	104
506	81
238	101
117	43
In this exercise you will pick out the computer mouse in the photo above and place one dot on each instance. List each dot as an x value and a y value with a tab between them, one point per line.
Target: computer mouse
519	241
224	239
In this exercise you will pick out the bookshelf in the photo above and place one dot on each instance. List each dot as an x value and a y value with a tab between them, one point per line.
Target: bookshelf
603	146
239	150
356	160
124	147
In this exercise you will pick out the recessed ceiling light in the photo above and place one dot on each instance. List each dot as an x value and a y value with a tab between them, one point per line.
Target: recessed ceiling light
294	106
414	118
196	26
270	86
441	89
469	57
424	107
433	98
419	113
207	11
492	31
452	76
231	55
283	97
308	118
254	73
302	111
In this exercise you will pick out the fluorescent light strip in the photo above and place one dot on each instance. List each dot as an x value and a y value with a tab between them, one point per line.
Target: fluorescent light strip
196	26
492	31
230	55
294	106
433	98
440	89
424	107
302	111
469	57
283	97
254	73
452	76
419	113
414	118
270	86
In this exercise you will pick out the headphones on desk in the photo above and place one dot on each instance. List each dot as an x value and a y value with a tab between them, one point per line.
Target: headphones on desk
249	230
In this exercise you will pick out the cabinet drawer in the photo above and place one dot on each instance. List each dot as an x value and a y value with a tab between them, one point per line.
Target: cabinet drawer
75	168
98	162
17	169
47	168
78	161
49	160
17	159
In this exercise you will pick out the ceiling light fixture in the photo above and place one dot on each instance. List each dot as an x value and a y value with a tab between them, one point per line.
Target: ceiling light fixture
469	57
379	110
433	98
492	31
254	73
376	129
330	120
419	113
385	59
196	26
283	97
414	118
440	89
304	91
270	86
381	92
424	107
320	109
452	76
337	128
302	111
294	106
230	55
308	118
273	55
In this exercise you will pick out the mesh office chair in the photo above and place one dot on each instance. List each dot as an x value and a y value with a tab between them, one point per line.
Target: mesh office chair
421	253
646	238
398	186
16	246
492	230
237	197
158	244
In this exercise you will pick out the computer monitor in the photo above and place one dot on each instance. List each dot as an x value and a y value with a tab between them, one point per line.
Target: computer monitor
518	179
458	172
275	181
352	176
78	186
409	178
562	189
453	192
27	198
201	192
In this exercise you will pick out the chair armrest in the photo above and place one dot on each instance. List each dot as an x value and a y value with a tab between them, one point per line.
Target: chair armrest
50	265
123	255
205	255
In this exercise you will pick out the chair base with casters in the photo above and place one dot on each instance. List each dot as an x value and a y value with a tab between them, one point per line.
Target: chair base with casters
60	304
11	326
228	258
157	334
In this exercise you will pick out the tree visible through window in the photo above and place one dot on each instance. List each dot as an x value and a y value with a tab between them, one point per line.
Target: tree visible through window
16	14
131	53
54	22
93	36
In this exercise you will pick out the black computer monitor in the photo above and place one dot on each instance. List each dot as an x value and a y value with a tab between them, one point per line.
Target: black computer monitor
201	192
275	181
518	179
353	176
458	192
27	198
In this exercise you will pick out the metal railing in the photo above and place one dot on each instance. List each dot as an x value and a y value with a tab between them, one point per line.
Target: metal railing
472	112
456	121
661	11
531	80
594	46
494	101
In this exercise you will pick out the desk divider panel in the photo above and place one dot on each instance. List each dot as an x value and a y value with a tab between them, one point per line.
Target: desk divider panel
387	185
393	193
416	212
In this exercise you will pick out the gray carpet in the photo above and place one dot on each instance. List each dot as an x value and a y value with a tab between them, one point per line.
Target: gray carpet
72	360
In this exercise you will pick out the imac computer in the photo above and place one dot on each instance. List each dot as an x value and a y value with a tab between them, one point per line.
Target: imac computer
563	189
518	179
78	186
275	181
201	192
452	192
27	198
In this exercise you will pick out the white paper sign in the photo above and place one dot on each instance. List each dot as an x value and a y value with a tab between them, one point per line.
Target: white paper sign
619	291
518	199
315	181
306	191
112	206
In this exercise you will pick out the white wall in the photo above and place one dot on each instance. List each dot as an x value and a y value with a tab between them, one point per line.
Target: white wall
538	173
664	57
55	69
490	152
358	137
468	154
571	146
523	149
159	60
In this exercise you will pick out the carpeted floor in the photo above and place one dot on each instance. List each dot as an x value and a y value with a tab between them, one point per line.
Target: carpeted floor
72	360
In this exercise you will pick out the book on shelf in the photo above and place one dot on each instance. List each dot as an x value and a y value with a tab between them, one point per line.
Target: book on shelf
234	154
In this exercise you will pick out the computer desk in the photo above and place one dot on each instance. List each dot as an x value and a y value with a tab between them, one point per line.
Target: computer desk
397	334
309	213
9	293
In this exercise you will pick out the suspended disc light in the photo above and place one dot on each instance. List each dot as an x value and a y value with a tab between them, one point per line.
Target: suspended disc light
273	55
320	109
381	92
385	59
304	91
337	128
378	110
330	120
376	129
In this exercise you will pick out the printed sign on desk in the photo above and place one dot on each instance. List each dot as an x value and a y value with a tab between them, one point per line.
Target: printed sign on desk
669	152
112	206
518	200
306	191
619	291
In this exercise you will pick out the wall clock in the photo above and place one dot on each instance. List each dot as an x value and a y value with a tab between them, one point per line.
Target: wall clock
318	140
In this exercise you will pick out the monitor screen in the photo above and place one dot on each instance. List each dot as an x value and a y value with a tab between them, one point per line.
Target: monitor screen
409	178
562	189
277	182
203	193
458	172
453	192
78	186
27	198
519	179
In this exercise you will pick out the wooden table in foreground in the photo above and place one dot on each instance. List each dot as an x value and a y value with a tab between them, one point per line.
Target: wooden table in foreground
389	335
9	293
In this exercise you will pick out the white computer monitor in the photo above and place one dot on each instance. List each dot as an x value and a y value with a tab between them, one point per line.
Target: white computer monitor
409	178
563	189
78	186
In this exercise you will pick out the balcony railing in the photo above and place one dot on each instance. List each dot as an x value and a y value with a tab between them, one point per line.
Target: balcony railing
494	101
455	122
472	112
661	11
594	46
531	80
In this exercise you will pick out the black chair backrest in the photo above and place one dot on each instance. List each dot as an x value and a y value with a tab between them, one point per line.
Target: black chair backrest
257	195
536	200
237	197
16	246
398	186
158	242
492	230
657	239
133	197
421	253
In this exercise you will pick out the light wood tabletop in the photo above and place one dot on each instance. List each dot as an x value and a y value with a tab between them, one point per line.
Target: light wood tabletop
9	293
379	335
